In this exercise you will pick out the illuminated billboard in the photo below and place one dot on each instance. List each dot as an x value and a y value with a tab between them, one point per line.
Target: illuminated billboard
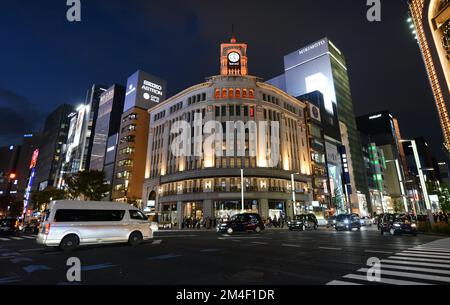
144	90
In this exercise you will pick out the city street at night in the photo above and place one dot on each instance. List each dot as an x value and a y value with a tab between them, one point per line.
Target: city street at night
274	257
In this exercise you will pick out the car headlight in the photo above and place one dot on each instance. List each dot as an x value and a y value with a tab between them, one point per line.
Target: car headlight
334	221
413	225
396	225
346	221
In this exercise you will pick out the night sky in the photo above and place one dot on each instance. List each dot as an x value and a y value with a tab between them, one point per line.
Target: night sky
46	61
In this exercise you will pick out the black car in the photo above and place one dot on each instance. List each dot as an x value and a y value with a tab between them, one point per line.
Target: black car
242	223
303	222
347	222
9	225
398	224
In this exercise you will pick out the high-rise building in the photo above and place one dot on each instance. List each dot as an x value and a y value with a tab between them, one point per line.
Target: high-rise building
321	66
381	131
431	22
54	137
270	176
143	92
80	136
108	123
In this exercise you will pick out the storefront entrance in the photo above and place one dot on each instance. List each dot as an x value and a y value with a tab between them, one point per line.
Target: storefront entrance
193	210
277	210
224	210
169	216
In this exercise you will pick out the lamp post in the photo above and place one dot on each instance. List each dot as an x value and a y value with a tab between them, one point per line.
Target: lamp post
242	190
421	178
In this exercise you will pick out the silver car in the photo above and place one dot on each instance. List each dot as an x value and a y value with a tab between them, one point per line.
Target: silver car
68	224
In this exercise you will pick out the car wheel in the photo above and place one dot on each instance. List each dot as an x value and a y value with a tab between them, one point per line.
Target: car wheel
135	238
381	231
415	234
392	231
230	230
258	230
69	242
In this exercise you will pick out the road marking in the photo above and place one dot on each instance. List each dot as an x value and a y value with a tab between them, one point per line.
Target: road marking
157	242
258	243
210	250
414	263
11	254
446	250
4	239
32	250
34	268
423	255
342	283
166	256
236	240
411	275
17	238
291	245
327	248
409	268
170	236
9	279
97	267
430	260
425	252
383	280
21	259
29	237
376	251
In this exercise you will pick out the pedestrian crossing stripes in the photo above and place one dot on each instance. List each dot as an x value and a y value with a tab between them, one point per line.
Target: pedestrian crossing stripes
427	264
16	238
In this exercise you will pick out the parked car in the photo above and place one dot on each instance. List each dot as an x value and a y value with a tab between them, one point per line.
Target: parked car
242	223
303	222
69	224
9	224
347	222
366	221
331	222
398	224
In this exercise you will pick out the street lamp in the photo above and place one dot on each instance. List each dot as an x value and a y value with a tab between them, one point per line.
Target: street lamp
421	178
293	192
242	190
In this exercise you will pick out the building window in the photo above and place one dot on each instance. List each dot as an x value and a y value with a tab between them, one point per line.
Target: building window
224	110
217	111
244	93
203	96
217	94
238	93
245	110
251	93
224	93
238	110
231	110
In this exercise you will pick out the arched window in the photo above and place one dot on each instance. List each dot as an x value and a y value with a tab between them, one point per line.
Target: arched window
251	93
217	94
230	93
244	93
238	93
224	93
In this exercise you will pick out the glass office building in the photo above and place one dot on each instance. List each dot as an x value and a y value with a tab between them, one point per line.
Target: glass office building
321	66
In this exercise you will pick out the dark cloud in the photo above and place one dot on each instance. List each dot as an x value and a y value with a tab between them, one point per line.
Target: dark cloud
17	117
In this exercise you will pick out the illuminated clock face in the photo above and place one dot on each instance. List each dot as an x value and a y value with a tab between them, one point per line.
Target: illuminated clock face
233	57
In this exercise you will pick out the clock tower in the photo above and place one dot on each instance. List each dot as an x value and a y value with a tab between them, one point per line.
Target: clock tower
233	58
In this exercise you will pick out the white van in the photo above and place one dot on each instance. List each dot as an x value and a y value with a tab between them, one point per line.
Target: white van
68	224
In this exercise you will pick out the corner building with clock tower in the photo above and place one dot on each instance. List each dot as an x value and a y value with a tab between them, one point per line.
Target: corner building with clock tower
186	189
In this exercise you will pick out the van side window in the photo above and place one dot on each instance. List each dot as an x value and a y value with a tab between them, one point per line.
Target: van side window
135	214
88	215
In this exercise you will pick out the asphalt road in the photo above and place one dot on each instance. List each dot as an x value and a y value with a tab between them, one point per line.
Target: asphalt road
208	258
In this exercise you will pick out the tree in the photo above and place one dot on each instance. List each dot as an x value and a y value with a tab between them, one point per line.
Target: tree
443	193
87	185
398	206
16	209
336	200
42	198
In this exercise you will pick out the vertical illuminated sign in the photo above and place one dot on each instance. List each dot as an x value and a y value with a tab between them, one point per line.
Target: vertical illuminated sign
30	181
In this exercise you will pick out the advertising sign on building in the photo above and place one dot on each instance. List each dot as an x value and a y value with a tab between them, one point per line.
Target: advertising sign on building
144	90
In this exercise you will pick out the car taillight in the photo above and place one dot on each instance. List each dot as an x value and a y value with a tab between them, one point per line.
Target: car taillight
16	224
47	229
